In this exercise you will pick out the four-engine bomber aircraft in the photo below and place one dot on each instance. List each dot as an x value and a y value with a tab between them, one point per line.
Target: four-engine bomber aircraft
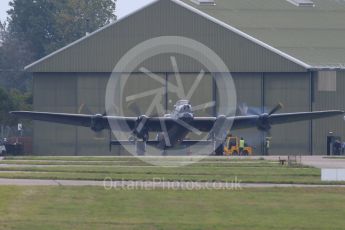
173	128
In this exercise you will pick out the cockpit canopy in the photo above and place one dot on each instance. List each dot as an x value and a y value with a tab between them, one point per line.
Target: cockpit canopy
182	102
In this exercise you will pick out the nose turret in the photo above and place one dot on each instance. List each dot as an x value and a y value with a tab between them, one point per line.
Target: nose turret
186	112
187	116
187	108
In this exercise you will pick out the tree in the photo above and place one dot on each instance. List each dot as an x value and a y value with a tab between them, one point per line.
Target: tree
47	25
36	28
6	105
33	21
10	101
3	26
78	17
14	55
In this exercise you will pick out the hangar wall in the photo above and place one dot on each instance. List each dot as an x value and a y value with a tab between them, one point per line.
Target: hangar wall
263	91
328	100
56	93
85	93
293	90
249	89
78	74
101	51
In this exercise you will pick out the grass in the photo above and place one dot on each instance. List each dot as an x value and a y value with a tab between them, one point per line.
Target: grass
96	208
126	168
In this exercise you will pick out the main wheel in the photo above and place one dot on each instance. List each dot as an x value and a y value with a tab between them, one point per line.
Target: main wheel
141	148
219	151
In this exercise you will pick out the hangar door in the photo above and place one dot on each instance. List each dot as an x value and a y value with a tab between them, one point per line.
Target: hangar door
249	101
293	90
199	91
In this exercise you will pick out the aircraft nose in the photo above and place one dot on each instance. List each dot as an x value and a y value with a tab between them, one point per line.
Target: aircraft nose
188	116
187	108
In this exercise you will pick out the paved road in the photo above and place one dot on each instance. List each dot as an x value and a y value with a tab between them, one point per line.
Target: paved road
149	185
322	162
314	161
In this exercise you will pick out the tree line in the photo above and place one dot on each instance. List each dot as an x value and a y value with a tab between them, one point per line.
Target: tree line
32	30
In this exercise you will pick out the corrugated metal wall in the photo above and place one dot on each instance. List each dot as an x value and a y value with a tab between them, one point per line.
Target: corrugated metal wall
100	52
328	100
68	92
249	93
293	90
260	92
90	100
60	90
55	93
85	93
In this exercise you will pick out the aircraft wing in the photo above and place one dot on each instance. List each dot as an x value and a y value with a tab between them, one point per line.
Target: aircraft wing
61	118
243	122
123	123
126	124
206	124
203	124
82	120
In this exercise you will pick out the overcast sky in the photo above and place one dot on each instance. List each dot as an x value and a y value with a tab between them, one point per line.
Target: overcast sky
124	7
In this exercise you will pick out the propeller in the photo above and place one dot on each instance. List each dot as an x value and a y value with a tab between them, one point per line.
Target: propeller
276	109
84	109
96	122
140	131
245	110
263	121
113	110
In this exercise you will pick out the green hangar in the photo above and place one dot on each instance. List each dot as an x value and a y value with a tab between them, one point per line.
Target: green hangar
289	51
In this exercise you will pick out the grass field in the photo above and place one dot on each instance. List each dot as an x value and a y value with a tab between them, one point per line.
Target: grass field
96	208
59	207
126	168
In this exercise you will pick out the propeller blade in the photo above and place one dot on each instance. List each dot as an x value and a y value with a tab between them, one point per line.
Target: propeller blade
113	110
245	110
254	111
276	109
84	109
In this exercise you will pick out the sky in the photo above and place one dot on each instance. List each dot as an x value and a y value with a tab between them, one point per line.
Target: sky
124	7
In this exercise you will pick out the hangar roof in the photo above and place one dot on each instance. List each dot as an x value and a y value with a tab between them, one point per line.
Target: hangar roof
310	37
314	35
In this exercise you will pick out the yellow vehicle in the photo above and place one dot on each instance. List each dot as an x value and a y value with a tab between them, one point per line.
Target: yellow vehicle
232	147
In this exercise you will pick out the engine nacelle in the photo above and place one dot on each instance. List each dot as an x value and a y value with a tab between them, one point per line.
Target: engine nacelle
97	123
263	123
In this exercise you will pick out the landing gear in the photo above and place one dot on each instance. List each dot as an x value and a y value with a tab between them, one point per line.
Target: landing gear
219	149
141	148
164	153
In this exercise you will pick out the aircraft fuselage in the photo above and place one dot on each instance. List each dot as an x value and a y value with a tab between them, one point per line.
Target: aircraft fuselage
183	116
